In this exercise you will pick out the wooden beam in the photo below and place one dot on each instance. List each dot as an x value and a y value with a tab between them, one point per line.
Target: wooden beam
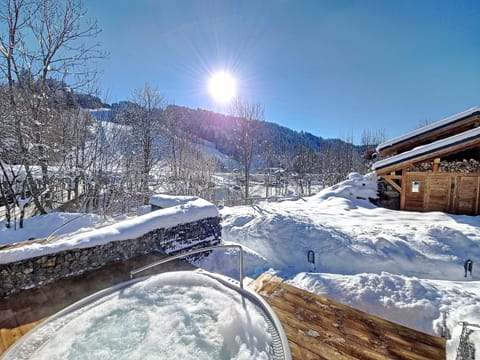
403	193
436	163
389	179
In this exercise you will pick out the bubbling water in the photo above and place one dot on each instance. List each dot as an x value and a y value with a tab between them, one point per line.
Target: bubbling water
181	315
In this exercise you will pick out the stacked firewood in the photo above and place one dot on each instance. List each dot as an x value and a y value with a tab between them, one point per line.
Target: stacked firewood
465	166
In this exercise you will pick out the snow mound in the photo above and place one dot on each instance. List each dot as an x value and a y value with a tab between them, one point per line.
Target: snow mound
166	201
357	189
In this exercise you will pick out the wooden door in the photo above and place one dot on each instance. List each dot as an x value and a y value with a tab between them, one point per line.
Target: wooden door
466	195
414	189
437	192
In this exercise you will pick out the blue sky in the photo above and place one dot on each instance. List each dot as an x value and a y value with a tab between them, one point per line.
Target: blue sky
332	68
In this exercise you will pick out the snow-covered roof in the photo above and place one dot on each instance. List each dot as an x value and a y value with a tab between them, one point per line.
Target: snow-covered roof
434	126
165	201
425	149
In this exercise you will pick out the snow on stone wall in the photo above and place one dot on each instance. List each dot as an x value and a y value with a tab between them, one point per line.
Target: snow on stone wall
40	270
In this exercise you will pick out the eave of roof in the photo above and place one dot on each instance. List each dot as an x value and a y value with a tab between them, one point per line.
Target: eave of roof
430	148
431	127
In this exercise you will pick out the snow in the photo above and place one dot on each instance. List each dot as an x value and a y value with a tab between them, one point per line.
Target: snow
193	210
404	266
165	201
425	149
43	226
200	319
429	127
209	148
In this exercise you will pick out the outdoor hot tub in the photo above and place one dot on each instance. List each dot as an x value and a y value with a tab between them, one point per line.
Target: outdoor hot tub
173	315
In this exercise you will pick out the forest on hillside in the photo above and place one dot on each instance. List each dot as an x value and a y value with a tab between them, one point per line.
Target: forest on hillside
58	154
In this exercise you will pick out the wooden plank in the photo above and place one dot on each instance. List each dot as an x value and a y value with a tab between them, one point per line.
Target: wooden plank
477	211
321	305
415	200
320	328
302	353
9	336
321	344
3	345
466	193
437	195
404	189
436	163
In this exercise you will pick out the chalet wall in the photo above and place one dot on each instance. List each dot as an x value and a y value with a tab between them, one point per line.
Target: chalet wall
41	270
457	193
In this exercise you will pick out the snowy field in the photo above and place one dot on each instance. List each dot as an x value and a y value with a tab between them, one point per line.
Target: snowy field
404	266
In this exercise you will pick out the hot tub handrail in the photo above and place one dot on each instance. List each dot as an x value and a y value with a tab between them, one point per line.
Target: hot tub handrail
193	252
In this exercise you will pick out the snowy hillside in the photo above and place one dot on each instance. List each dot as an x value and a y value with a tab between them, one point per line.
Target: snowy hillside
403	266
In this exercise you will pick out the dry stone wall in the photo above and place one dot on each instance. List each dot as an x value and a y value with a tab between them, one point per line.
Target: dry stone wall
41	270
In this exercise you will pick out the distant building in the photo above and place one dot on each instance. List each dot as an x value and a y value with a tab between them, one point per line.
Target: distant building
434	168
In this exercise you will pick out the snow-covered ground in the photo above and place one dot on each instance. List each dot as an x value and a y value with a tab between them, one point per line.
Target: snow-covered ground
404	266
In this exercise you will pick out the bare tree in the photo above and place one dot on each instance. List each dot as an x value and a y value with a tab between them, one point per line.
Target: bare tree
245	136
369	142
191	172
41	41
145	118
304	166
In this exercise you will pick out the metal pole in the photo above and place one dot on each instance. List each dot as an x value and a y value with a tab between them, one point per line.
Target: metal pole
241	267
193	252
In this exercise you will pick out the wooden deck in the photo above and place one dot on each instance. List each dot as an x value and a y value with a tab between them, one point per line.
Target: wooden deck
319	328
9	336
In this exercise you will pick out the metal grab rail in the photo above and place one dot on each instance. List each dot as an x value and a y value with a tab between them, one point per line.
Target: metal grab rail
193	252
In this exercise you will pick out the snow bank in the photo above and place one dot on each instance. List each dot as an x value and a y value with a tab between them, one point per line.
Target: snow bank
194	210
165	201
404	266
42	226
358	189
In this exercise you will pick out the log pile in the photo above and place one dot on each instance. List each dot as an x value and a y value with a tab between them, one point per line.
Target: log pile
463	166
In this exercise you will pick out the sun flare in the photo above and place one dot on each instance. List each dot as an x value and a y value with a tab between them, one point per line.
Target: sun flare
222	86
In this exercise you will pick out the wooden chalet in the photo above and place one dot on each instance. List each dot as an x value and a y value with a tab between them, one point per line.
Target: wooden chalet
436	167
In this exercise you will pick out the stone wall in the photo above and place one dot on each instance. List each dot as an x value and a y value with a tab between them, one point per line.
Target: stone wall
41	270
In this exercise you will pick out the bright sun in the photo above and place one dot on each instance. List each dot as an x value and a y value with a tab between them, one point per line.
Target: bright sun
222	87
